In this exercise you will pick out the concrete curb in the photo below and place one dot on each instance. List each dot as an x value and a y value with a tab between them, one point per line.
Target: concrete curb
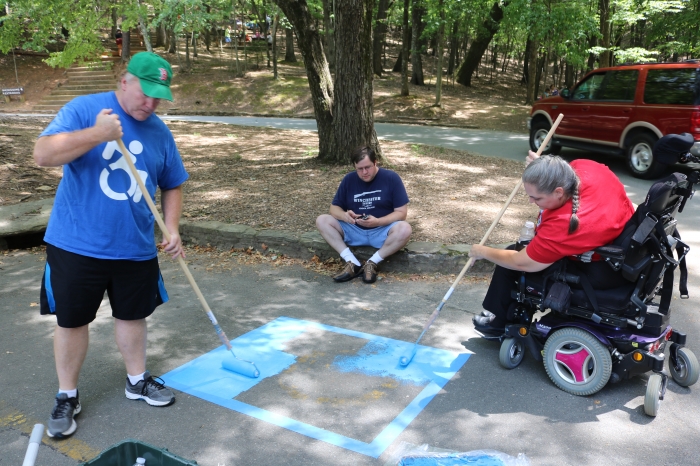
417	257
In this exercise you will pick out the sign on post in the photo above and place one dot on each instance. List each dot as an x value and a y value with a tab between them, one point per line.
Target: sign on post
13	91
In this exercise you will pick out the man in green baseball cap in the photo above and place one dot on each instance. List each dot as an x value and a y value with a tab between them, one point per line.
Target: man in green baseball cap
112	230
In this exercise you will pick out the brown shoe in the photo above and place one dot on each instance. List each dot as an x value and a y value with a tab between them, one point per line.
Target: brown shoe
369	274
349	272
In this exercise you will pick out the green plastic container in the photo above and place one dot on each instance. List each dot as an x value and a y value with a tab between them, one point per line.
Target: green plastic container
125	453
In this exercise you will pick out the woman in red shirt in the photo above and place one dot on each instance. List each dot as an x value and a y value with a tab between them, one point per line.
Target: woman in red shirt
583	206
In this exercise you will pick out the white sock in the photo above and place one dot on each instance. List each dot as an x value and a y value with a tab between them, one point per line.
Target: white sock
70	393
376	258
348	256
134	379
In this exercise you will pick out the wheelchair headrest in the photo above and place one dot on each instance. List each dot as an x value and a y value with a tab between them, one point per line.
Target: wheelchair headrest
671	147
663	197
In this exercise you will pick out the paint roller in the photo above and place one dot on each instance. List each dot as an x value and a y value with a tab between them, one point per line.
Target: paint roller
405	360
231	363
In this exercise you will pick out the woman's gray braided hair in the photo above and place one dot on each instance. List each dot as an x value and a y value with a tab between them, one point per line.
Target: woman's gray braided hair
549	172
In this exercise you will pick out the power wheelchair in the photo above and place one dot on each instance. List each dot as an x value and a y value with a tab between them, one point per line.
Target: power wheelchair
592	337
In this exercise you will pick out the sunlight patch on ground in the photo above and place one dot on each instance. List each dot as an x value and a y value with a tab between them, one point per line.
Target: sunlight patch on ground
219	194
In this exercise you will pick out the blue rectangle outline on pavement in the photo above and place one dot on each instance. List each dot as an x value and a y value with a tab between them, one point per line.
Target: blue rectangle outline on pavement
378	444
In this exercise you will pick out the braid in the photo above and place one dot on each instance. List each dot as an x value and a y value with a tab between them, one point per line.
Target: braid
573	222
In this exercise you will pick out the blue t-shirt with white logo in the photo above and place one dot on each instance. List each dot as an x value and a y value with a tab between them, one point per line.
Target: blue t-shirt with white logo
99	209
378	198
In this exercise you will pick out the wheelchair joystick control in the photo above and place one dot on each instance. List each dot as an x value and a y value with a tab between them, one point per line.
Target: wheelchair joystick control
526	235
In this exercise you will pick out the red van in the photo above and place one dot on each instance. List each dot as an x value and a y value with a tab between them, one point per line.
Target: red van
623	110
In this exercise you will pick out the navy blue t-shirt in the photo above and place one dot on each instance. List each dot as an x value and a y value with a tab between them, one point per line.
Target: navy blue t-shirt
378	198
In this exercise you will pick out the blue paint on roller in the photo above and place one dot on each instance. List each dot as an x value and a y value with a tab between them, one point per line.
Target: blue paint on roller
205	378
405	360
247	368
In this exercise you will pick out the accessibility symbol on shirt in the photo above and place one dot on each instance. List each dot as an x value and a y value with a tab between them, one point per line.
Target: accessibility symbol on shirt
135	147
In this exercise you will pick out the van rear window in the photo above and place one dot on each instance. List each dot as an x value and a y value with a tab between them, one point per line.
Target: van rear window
680	86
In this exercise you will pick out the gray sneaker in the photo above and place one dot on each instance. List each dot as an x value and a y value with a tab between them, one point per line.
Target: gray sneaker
150	390
61	422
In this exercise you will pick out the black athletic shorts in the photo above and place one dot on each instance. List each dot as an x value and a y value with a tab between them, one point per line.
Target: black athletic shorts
73	287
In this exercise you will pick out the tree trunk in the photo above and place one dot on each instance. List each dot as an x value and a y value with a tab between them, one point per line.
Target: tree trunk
525	79
592	42
187	51
532	72
604	11
397	66
207	30
144	32
440	36
160	36
405	49
289	56
506	56
126	46
317	71
275	22
416	60
479	45
568	75
172	39
353	118
329	39
541	63
454	48
114	15
399	62
379	36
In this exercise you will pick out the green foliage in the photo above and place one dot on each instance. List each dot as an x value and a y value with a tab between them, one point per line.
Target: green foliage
191	15
37	24
635	55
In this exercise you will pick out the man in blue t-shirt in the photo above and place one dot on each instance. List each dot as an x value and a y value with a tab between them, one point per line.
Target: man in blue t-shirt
100	234
369	209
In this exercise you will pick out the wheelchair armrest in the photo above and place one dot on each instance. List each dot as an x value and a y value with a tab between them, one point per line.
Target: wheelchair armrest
610	251
613	255
631	272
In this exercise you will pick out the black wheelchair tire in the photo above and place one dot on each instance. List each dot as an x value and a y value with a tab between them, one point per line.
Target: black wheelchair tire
511	354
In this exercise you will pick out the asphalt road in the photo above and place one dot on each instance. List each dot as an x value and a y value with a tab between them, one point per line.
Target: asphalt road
482	407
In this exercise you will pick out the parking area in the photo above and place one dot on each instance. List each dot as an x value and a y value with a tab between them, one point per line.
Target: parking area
480	406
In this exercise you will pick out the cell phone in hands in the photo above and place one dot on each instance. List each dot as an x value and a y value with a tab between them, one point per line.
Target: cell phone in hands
364	217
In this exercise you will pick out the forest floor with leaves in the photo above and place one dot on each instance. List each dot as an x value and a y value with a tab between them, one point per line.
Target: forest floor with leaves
212	85
271	179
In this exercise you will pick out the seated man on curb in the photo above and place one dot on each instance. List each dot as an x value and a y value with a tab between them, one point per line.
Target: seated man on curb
369	209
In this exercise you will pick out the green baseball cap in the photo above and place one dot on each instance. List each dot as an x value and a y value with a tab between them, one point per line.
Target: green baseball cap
154	74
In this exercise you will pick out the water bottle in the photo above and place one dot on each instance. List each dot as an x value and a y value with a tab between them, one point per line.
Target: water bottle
140	461
526	234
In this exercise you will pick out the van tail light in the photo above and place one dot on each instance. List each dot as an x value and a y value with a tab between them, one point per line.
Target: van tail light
695	125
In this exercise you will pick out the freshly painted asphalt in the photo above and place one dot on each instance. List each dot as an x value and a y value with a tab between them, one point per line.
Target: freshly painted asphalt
482	407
